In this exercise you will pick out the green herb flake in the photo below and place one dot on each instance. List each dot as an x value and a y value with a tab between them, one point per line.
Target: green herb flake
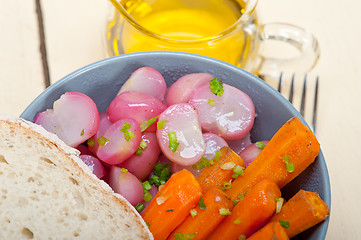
142	146
161	124
216	87
290	167
140	207
193	212
147	196
204	162
102	140
224	211
201	204
279	203
237	221
127	134
82	132
211	102
260	145
242	237
147	123
90	142
148	224
238	170
161	174
146	185
169	210
226	185
285	224
181	236
124	170
173	144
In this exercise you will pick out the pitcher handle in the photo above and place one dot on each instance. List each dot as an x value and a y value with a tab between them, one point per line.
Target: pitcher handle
302	40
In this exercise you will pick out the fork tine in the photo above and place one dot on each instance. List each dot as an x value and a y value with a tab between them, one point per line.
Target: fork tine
280	82
314	118
303	97
290	96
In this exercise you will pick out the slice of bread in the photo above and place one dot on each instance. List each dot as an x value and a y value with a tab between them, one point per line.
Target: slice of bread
47	192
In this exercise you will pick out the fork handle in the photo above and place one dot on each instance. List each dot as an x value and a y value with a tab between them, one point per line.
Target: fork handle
306	44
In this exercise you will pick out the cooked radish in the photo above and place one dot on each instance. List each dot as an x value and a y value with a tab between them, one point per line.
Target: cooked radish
181	90
104	124
252	151
119	141
74	118
141	163
238	145
230	115
136	105
126	184
214	143
146	80
179	134
94	164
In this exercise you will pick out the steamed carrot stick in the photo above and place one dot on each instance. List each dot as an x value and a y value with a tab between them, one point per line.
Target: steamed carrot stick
251	213
206	217
290	151
172	203
216	175
272	231
304	210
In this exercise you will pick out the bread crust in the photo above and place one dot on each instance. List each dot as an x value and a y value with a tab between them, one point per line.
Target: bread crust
50	141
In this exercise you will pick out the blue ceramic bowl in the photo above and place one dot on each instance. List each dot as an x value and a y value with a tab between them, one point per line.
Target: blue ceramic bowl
102	80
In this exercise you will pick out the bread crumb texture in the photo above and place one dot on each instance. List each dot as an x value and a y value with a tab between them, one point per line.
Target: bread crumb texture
45	194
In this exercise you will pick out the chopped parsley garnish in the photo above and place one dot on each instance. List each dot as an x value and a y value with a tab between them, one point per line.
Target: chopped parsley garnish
127	134
193	212
279	204
204	162
216	157
173	144
147	123
285	224
237	171
124	170
237	221
260	145
169	210
216	87
211	102
90	142
82	132
224	211
226	185
103	140
161	174
181	236
290	167
161	124
201	204
142	146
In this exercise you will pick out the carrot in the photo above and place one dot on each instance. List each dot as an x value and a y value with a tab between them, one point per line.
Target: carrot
290	151
171	205
219	173
251	213
272	231
216	204
304	210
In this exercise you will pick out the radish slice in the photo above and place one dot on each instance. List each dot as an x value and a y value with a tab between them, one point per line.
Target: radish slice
116	147
231	115
153	191
180	137
146	80
104	124
252	151
238	145
136	105
84	150
74	118
142	162
181	90
94	164
126	184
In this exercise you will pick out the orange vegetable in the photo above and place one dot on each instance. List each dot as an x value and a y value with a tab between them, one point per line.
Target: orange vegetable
304	210
290	151
251	213
205	220
214	175
272	231
171	205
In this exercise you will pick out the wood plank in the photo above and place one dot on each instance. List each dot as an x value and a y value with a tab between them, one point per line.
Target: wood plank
21	76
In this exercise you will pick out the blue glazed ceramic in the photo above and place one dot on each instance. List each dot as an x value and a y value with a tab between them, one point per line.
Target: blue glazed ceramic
102	80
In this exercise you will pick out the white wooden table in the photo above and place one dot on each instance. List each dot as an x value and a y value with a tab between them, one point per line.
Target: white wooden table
74	33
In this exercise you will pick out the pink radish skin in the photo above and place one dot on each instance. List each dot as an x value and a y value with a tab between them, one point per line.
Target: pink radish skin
136	105
231	116
239	145
142	165
213	144
126	184
94	164
74	118
84	150
104	124
118	149
181	90
251	152
146	80
182	119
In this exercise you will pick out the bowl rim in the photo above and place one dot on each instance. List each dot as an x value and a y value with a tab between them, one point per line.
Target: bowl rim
258	81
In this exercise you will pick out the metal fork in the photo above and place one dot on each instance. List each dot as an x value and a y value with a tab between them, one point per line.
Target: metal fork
304	95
